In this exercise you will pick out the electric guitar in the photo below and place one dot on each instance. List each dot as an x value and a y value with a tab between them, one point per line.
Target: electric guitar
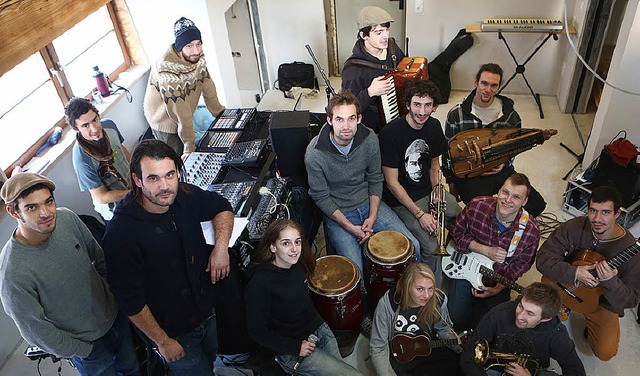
582	298
405	347
473	267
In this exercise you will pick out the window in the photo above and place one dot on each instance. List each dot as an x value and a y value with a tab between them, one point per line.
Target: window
41	84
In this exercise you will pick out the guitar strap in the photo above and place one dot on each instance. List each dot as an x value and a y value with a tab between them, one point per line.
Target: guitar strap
522	224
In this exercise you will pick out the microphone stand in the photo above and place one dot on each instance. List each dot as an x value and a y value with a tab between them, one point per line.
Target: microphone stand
329	90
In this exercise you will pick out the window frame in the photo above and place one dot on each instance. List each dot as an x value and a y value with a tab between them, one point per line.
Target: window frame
50	59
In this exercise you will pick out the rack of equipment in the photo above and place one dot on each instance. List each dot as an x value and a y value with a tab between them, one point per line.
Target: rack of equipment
274	201
233	119
202	169
247	153
236	193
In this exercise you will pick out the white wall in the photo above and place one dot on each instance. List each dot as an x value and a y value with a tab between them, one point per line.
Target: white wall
154	21
287	26
618	110
347	30
131	123
576	13
431	31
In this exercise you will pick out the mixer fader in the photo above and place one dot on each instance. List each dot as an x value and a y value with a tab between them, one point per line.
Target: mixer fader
202	169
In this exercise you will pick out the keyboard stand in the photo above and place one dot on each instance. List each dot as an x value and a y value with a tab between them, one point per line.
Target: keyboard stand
520	69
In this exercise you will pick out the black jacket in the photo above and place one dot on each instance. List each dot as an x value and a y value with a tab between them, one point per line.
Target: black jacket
547	340
161	259
357	78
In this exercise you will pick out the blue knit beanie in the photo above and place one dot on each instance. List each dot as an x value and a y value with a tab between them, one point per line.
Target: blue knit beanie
185	31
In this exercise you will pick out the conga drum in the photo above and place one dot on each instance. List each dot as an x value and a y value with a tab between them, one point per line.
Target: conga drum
336	291
386	256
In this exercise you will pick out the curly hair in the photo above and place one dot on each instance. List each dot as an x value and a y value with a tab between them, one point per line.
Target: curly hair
77	107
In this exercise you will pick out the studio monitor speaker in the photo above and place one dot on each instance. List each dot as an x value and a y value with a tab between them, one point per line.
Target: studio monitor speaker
289	133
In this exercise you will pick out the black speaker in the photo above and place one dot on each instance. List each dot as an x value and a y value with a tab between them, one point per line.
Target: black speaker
625	179
289	133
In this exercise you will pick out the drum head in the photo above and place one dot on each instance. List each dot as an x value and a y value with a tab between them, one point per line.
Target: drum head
334	275
389	246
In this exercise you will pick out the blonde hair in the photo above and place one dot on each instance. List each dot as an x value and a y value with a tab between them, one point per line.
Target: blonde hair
429	314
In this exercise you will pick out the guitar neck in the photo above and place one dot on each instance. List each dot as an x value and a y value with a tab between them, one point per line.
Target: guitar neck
443	342
489	273
624	256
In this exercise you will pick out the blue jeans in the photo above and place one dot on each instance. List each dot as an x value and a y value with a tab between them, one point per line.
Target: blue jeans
112	354
347	245
465	309
429	244
200	347
324	360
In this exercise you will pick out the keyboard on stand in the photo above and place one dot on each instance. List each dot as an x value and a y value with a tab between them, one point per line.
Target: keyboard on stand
523	24
236	193
247	153
233	119
270	207
202	169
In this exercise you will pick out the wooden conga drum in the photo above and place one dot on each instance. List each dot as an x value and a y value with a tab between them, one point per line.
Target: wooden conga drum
386	256
336	291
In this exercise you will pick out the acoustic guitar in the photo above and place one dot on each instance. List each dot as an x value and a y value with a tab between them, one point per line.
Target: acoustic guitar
405	347
582	298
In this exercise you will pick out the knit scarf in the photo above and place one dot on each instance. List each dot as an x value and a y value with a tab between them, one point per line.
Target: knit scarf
100	150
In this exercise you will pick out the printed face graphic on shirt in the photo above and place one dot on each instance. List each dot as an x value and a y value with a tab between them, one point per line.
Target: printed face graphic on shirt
414	156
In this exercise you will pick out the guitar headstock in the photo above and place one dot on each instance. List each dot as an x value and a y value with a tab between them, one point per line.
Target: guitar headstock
547	133
463	337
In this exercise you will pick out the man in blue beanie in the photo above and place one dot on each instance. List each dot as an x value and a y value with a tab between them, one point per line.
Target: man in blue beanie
176	83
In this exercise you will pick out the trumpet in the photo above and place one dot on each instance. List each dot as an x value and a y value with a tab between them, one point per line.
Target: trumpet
482	354
438	206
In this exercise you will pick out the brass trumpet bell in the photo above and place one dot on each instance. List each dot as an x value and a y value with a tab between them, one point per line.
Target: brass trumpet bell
482	353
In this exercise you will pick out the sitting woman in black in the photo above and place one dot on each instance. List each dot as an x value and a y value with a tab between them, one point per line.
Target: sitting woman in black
280	314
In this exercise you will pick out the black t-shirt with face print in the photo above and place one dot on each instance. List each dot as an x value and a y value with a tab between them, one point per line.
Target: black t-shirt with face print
411	151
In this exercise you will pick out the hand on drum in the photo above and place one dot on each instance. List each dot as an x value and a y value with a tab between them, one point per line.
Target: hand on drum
307	348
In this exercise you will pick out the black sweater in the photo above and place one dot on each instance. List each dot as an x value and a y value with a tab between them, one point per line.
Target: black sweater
547	340
160	260
357	78
280	313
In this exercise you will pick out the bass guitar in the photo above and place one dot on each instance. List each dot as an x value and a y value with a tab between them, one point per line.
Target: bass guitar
405	347
582	298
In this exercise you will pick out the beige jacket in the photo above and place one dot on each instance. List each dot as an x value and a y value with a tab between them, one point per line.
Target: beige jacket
173	93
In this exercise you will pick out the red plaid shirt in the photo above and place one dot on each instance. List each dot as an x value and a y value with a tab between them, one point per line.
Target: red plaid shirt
477	222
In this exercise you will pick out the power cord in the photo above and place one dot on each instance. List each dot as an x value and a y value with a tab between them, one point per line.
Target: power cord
120	88
548	223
